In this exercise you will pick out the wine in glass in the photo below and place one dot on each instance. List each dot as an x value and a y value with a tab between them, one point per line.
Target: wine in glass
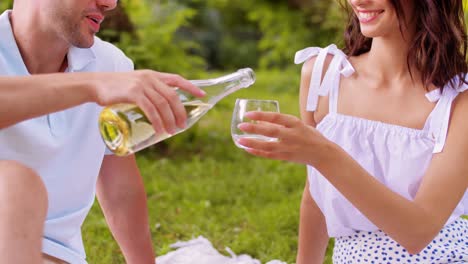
244	106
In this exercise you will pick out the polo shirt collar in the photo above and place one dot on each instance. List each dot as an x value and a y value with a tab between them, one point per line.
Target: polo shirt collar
8	47
78	58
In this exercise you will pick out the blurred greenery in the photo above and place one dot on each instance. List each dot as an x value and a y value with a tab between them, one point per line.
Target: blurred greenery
5	4
192	36
198	182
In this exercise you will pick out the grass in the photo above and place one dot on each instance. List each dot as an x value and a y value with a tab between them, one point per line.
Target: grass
199	183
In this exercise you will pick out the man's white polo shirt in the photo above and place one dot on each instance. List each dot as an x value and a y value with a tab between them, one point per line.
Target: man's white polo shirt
64	148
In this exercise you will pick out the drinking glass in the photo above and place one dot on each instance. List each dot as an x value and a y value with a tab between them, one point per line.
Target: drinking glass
243	106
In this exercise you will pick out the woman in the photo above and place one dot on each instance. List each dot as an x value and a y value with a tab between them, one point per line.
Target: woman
383	135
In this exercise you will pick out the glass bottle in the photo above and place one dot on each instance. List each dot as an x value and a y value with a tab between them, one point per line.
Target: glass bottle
125	128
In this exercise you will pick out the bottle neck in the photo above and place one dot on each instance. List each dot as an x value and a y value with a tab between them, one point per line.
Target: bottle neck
218	88
216	92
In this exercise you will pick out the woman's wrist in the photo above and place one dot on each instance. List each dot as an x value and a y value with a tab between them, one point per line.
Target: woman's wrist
327	155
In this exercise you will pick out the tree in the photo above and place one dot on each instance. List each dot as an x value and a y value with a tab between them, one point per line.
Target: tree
6	4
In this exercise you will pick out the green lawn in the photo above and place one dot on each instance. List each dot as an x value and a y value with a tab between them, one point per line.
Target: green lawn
199	183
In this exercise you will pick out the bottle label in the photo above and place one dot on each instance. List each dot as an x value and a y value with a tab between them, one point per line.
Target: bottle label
133	116
183	97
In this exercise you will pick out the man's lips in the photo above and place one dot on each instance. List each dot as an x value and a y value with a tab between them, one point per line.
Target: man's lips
95	20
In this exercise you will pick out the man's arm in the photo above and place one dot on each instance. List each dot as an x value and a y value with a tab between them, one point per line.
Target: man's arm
36	95
122	197
27	97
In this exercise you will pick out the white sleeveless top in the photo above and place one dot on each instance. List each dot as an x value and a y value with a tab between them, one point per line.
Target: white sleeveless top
396	156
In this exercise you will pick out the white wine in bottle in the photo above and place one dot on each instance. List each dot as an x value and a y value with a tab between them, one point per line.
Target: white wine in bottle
125	128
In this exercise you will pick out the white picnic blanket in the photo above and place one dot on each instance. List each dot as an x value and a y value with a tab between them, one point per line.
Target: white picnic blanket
201	251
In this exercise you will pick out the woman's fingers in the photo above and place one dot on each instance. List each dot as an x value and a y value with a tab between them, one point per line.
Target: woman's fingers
274	117
265	154
269	146
262	128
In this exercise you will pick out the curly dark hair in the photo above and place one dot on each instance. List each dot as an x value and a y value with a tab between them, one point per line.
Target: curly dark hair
439	46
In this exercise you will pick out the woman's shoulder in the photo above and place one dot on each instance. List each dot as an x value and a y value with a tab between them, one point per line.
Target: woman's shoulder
317	60
460	102
461	83
455	87
311	55
306	54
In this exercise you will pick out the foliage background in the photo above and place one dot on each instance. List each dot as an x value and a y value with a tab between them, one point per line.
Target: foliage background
198	182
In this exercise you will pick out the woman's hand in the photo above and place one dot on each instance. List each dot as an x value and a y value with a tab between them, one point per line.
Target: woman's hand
297	141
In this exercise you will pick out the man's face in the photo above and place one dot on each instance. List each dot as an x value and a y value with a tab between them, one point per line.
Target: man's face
76	21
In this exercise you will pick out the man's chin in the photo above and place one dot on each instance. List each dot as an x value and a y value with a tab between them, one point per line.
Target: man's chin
84	43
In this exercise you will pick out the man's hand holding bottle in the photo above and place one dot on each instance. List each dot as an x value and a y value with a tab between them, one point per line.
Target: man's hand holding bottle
152	91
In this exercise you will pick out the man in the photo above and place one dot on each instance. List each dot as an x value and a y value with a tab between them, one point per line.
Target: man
52	159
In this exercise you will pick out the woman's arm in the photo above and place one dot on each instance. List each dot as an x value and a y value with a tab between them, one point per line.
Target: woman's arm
413	224
313	237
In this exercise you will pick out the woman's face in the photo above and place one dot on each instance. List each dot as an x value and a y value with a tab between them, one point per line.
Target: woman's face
379	18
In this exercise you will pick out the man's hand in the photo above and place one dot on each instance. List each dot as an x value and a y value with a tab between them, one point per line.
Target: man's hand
152	91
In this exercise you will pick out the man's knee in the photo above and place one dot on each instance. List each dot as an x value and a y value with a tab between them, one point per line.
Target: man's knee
23	210
20	184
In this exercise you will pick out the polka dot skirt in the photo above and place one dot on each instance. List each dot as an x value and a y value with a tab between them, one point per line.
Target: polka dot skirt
450	246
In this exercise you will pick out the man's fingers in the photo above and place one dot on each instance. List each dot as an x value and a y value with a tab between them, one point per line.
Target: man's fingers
164	108
175	80
152	115
172	100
